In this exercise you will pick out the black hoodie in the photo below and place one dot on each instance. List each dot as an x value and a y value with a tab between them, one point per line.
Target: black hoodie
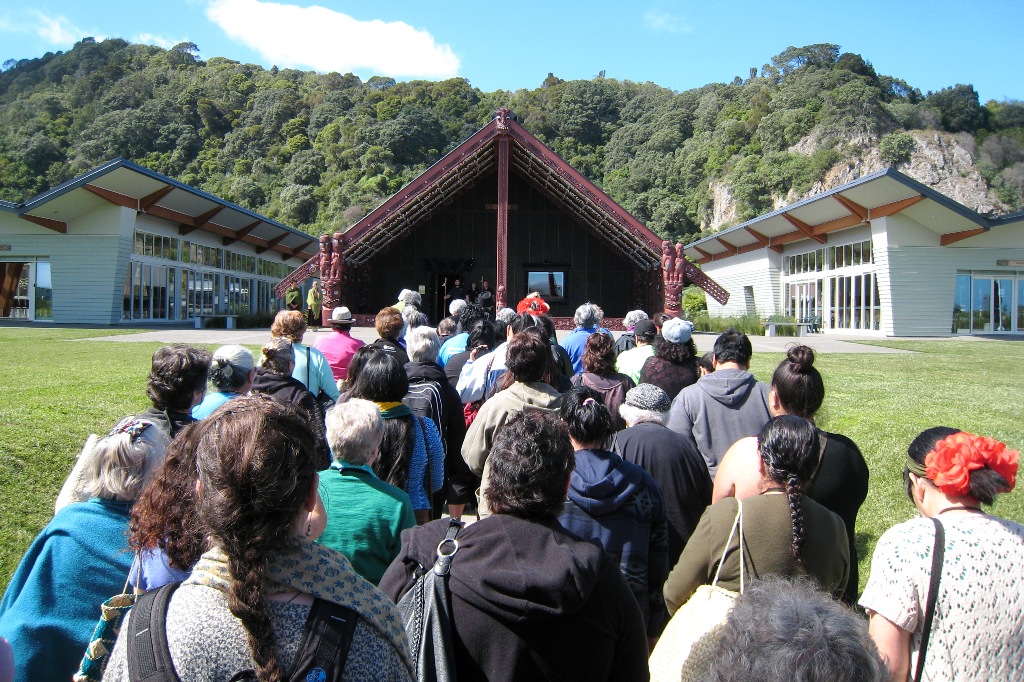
530	601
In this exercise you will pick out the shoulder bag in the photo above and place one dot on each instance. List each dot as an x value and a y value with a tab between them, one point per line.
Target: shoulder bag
426	611
689	640
938	552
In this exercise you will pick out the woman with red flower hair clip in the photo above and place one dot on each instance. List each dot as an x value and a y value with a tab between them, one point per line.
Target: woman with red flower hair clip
944	593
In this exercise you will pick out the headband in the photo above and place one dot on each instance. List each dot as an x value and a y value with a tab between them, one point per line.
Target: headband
951	461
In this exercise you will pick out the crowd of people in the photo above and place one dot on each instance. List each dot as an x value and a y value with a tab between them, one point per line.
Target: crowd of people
266	498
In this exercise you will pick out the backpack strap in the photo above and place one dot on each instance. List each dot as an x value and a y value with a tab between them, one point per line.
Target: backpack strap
325	645
149	659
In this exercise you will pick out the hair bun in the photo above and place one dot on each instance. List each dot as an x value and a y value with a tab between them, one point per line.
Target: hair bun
802	358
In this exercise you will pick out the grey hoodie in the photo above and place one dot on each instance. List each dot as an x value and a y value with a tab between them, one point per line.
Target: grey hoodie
718	410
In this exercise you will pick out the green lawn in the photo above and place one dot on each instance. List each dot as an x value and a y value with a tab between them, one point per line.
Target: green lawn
57	389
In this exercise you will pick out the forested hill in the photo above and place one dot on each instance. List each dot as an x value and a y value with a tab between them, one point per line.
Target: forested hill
318	151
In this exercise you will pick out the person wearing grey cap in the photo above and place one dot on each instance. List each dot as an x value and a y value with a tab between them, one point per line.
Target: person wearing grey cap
670	459
674	364
632	361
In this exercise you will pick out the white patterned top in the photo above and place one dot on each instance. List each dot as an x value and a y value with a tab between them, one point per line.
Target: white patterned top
978	627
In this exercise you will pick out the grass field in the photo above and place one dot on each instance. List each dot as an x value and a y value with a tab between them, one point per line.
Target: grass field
58	388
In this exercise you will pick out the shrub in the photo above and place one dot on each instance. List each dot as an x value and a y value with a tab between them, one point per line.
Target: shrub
896	148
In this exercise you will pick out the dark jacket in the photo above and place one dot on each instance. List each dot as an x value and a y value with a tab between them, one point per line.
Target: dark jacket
287	389
619	505
626	341
168	421
530	601
394	349
680	471
425	379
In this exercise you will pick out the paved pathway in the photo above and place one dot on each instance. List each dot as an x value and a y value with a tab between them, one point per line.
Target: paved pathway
822	343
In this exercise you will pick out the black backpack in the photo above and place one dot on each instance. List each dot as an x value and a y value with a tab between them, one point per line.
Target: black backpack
425	400
322	656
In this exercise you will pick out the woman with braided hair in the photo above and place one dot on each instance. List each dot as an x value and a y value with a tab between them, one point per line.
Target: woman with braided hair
784	532
840	479
246	603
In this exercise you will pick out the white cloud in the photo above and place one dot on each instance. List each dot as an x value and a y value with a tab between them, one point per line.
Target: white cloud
57	30
661	21
324	40
159	41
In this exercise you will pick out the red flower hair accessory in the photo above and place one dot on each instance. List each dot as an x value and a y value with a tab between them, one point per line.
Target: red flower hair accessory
533	304
950	463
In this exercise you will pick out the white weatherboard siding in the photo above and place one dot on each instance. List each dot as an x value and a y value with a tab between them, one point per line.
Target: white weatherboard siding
757	269
880	254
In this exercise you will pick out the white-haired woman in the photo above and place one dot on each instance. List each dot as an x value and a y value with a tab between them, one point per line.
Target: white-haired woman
232	371
80	558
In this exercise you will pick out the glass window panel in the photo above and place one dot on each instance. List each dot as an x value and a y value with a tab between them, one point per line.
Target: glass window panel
1020	305
981	305
962	305
43	291
1002	295
139	243
126	305
856	254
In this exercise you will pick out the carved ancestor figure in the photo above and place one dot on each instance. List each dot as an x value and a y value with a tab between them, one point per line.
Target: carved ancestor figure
499	299
338	260
668	258
325	256
673	263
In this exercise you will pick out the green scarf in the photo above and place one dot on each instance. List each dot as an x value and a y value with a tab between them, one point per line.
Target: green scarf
323	573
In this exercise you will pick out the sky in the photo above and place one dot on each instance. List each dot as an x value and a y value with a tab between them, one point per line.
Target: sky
678	44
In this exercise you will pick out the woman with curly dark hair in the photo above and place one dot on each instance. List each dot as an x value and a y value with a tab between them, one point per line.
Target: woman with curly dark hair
783	531
674	365
245	604
599	375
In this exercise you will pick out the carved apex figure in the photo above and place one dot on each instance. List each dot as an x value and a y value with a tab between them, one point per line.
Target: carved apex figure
503	116
325	256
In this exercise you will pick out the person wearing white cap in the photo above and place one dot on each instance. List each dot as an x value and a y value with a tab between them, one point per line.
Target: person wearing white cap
673	366
231	373
339	347
669	458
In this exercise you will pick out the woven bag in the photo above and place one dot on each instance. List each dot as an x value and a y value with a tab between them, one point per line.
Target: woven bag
688	643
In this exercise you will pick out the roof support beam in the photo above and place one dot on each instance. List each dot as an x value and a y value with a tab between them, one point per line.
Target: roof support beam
765	241
228	241
273	242
292	253
115	198
732	248
895	207
48	223
706	256
855	209
193	224
805	228
150	199
947	239
838	224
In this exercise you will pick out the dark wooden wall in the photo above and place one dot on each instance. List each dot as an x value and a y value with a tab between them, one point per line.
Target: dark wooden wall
538	232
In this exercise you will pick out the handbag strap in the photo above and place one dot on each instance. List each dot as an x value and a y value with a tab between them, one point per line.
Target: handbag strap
443	564
307	368
938	551
737	524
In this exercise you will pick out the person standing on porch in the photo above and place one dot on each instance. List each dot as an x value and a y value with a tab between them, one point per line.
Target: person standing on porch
314	301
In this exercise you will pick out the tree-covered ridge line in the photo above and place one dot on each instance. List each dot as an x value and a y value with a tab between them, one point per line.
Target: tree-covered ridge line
318	151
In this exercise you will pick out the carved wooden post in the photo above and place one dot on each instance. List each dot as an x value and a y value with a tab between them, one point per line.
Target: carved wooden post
501	264
332	264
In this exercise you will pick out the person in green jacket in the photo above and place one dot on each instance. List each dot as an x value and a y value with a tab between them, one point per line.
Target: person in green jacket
315	301
365	515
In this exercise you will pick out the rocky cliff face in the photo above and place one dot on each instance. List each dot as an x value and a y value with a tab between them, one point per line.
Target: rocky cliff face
939	160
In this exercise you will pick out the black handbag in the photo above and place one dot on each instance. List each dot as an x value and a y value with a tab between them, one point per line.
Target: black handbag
426	611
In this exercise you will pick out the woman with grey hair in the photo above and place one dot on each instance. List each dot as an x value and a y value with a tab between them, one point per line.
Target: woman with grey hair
587	318
432	396
232	372
671	460
627	340
365	515
80	558
274	379
774	626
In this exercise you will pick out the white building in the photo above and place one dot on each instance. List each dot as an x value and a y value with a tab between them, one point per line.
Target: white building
123	244
883	254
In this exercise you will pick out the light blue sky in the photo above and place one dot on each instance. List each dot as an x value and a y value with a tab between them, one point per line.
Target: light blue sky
511	45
